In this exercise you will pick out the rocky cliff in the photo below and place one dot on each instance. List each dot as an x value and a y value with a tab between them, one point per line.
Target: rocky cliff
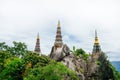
91	68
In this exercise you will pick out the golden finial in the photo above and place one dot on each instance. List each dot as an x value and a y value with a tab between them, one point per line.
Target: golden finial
96	38
38	36
58	25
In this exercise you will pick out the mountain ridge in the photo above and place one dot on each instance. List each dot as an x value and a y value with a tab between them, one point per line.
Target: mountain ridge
116	64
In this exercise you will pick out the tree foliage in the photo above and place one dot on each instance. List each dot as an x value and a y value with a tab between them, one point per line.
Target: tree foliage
35	58
14	67
80	52
17	63
18	48
53	71
3	56
106	69
3	46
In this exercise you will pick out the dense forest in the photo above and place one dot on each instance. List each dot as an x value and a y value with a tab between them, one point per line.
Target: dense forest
19	63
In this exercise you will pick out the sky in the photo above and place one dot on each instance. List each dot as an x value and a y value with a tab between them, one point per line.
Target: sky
21	20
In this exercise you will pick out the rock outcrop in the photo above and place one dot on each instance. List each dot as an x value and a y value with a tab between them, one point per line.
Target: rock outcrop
91	69
60	52
68	58
92	66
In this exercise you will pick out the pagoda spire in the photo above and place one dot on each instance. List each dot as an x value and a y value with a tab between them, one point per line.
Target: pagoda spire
37	46
58	40
59	50
58	25
95	33
38	36
96	38
96	47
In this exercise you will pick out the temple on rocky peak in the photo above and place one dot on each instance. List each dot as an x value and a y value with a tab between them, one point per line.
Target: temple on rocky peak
96	47
37	46
59	50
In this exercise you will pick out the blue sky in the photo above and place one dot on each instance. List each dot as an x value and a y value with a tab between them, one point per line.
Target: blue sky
21	20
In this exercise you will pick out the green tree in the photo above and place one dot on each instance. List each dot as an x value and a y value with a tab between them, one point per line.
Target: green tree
3	56
106	69
52	71
81	52
18	48
3	46
35	58
14	68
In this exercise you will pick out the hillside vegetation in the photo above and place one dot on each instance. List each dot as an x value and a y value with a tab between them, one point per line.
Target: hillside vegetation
18	63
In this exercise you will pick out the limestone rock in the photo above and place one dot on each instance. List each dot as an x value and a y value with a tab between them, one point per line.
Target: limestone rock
60	52
64	55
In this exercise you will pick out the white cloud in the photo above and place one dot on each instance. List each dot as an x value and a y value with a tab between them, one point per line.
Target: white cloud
21	20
